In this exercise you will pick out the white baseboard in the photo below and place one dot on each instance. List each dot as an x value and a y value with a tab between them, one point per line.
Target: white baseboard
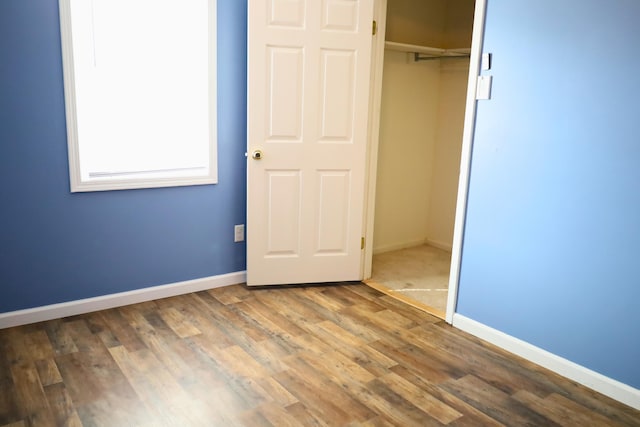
397	246
72	308
598	382
440	245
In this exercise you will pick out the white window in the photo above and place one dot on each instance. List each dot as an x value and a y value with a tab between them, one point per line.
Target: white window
140	92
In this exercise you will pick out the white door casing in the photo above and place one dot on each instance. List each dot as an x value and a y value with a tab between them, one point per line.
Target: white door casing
465	157
465	160
308	103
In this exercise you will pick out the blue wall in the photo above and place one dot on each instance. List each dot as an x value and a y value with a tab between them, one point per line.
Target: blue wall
56	246
551	246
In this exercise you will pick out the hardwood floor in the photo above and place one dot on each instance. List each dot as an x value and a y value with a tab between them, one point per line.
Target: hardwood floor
318	356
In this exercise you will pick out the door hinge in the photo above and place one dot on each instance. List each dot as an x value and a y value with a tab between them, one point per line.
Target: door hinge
362	243
375	27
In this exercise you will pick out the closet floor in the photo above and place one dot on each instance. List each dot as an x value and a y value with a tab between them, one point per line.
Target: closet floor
419	276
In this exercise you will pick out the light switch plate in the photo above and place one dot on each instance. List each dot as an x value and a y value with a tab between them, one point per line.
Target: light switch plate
483	90
238	233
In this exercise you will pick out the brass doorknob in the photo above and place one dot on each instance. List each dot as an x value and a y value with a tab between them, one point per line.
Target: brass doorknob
256	154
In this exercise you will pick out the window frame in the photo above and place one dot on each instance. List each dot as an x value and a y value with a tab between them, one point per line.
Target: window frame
135	180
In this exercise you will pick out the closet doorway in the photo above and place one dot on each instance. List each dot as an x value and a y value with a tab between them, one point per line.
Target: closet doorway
422	114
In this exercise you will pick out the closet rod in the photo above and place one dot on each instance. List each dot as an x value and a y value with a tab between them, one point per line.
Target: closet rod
418	57
426	53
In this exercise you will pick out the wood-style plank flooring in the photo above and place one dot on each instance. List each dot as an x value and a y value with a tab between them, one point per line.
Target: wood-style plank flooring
340	355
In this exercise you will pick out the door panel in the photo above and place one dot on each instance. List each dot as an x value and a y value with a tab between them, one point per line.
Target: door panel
285	71
333	213
308	95
337	97
283	213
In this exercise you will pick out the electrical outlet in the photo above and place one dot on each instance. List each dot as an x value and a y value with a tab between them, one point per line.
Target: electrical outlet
238	233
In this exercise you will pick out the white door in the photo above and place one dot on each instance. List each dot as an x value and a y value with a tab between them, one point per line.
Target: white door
308	95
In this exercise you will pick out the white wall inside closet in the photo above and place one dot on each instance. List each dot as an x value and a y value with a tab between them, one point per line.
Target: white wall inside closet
421	124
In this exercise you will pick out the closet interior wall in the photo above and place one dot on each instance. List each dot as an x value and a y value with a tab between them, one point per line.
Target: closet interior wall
421	124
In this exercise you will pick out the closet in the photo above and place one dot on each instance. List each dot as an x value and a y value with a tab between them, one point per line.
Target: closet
424	85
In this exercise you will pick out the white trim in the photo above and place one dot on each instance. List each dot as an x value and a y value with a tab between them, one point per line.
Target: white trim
68	74
72	308
598	382
445	246
412	244
375	105
465	157
398	246
132	184
136	179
